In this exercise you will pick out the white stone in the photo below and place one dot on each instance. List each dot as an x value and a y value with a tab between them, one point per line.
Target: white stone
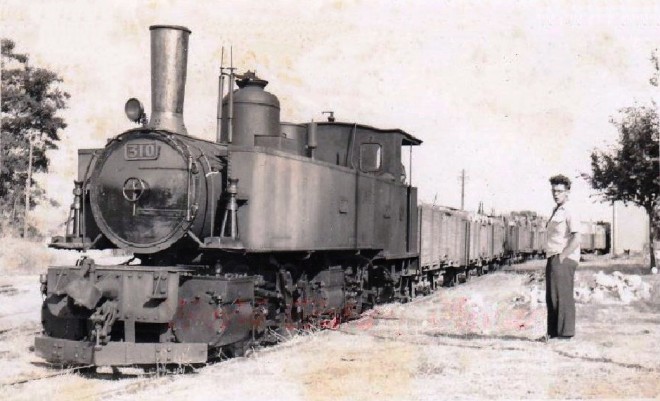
606	281
625	295
633	281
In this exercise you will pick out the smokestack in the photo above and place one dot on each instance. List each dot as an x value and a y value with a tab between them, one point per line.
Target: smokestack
169	60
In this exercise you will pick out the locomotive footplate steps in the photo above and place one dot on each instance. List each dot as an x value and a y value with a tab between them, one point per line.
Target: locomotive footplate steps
119	353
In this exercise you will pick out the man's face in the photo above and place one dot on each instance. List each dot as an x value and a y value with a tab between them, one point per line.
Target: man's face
560	193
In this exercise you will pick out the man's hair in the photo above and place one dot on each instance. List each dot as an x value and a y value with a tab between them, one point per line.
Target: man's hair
560	179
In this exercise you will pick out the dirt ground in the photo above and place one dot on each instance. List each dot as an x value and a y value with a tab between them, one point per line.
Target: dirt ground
475	341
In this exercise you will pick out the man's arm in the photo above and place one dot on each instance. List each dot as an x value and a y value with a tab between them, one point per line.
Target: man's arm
573	244
575	228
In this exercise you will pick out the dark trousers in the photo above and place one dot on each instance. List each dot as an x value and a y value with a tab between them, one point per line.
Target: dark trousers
559	279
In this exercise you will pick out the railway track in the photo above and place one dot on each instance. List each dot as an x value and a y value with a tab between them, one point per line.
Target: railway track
8	289
430	338
60	372
89	371
31	329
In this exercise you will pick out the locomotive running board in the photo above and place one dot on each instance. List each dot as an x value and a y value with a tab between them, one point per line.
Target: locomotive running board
119	353
221	243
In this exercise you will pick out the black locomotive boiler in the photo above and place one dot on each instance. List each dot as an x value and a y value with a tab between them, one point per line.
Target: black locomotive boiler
274	226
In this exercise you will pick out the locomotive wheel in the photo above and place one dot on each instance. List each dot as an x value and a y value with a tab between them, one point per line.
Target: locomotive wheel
238	349
451	278
467	275
87	371
236	266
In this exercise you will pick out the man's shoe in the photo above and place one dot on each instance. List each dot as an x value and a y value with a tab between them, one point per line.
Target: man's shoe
543	339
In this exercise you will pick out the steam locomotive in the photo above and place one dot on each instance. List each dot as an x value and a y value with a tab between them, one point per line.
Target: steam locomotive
273	227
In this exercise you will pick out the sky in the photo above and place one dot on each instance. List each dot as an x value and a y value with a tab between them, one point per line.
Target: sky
511	91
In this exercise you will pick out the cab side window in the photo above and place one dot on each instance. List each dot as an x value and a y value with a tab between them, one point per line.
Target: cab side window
371	157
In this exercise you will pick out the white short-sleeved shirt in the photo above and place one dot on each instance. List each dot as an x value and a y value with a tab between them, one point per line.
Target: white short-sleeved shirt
562	224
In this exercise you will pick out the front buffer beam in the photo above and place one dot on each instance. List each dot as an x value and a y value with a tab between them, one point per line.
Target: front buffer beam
72	352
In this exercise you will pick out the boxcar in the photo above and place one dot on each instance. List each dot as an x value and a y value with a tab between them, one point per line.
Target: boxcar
600	238
443	234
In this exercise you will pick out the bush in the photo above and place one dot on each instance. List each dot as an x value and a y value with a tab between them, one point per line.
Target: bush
23	256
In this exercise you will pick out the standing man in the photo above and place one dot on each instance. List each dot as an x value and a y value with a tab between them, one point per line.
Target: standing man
563	251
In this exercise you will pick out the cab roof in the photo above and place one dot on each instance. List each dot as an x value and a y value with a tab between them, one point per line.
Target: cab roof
408	140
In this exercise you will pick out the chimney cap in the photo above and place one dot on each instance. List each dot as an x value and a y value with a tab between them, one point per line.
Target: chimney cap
179	27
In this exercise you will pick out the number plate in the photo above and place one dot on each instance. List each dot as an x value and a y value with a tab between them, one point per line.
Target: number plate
141	151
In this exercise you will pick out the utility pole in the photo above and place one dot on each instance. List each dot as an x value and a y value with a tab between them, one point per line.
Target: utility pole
2	67
28	180
613	236
28	187
462	178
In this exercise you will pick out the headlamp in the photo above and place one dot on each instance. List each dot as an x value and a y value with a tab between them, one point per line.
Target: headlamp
134	110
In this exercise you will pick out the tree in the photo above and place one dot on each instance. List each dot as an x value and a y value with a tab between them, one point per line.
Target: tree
630	171
30	100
